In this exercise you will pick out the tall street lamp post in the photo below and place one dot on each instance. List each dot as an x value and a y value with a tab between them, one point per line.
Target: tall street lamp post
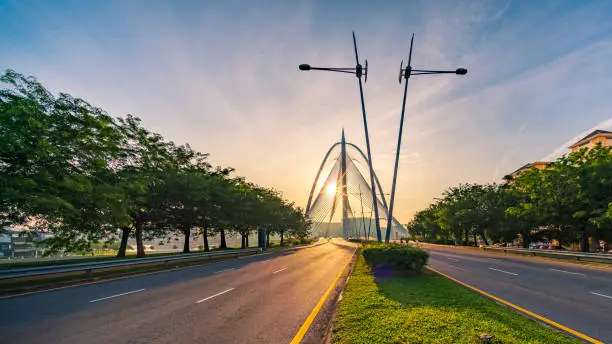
359	71
406	73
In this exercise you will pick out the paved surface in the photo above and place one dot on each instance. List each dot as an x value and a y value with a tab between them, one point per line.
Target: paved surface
258	299
577	296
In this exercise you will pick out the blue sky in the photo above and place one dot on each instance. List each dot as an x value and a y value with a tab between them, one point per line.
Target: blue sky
222	75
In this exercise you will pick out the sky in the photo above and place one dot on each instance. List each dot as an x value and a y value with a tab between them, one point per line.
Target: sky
222	76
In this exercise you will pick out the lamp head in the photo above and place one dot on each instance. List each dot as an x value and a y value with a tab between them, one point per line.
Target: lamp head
461	71
306	66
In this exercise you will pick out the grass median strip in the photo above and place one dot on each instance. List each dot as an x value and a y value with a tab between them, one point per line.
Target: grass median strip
424	307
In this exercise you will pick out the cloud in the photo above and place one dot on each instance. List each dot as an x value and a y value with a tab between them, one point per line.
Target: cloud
227	81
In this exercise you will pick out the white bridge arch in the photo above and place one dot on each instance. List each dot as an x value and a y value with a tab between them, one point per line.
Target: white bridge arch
344	186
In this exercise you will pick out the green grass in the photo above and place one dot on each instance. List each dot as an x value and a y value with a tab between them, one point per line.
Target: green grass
427	308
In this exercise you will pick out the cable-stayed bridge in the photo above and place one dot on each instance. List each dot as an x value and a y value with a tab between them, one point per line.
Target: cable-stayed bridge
343	194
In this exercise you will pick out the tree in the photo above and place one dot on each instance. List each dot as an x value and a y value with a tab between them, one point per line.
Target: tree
570	200
86	177
54	163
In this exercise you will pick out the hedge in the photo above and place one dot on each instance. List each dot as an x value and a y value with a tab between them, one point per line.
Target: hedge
396	255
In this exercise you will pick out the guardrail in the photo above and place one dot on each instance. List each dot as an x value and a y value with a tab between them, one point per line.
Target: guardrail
87	268
580	256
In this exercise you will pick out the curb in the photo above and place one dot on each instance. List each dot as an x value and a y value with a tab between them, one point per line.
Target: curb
318	326
327	339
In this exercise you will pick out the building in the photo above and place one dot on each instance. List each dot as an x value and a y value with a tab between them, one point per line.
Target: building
23	248
15	244
598	136
540	165
6	245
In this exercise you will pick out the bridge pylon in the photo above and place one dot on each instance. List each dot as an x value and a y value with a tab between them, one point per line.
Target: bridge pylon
343	184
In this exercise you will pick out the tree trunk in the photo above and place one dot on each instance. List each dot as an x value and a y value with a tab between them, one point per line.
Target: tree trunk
525	237
223	244
246	240
205	233
475	239
140	251
243	241
484	238
186	244
267	239
594	242
584	242
125	235
466	239
282	233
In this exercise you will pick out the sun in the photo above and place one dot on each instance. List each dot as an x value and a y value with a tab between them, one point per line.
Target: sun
331	189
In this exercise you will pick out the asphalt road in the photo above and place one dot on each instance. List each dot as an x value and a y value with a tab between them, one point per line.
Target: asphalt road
576	296
258	299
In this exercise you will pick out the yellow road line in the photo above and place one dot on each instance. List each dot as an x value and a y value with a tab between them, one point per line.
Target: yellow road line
522	310
306	325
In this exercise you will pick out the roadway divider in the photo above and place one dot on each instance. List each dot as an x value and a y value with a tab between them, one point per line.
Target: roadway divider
576	256
563	255
88	268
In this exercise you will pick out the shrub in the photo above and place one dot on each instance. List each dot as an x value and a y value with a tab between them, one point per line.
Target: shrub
395	255
306	241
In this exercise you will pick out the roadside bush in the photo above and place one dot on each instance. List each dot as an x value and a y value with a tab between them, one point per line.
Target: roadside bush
298	241
441	241
395	255
306	241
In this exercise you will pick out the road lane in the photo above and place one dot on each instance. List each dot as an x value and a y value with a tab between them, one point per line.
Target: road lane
56	300
567	293
246	303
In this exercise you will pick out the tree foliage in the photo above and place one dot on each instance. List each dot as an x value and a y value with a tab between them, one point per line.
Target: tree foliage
569	201
71	169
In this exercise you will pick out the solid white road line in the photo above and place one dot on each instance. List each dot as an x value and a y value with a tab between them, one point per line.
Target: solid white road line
506	272
217	294
224	270
277	271
113	296
453	259
604	295
568	272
